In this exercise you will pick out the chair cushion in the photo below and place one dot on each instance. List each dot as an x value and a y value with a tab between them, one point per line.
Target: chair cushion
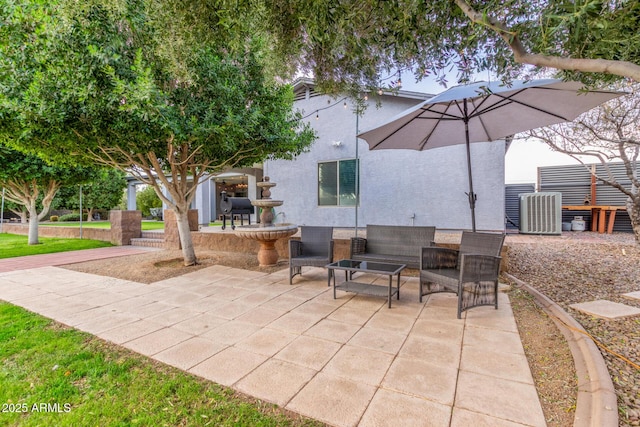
311	260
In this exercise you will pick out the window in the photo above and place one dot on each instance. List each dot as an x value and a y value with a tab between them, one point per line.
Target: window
338	183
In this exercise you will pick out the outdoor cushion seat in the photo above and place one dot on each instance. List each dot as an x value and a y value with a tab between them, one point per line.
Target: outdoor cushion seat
471	272
314	249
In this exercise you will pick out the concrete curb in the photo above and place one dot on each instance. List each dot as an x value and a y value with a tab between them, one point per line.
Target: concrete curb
597	404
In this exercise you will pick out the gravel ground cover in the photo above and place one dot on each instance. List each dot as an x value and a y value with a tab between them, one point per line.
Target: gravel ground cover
583	267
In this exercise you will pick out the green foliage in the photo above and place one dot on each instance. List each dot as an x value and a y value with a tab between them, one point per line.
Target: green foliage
147	199
13	207
72	217
102	79
590	29
102	191
15	165
32	181
122	84
346	46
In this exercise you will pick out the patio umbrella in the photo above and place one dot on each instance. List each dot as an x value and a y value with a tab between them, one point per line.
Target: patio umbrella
481	112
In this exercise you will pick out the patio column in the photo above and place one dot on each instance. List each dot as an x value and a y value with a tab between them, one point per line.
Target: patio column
251	193
131	196
203	202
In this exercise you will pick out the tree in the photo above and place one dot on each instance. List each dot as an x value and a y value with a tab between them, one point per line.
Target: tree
606	133
16	209
27	177
102	191
355	44
146	200
100	81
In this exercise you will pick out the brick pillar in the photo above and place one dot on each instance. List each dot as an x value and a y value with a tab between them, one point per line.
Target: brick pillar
171	236
125	225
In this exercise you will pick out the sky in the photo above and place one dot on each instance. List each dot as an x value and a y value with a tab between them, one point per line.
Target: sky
523	157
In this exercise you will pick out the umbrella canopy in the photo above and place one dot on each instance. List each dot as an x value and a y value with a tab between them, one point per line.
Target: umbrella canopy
481	112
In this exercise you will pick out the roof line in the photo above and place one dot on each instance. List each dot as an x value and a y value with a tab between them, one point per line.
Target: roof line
304	82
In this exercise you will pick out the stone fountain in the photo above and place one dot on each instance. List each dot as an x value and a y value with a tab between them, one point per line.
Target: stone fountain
266	233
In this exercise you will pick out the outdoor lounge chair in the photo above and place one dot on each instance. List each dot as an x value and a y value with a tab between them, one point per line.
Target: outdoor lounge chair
470	272
314	249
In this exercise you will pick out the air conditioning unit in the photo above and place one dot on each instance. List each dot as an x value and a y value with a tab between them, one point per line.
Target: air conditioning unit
541	213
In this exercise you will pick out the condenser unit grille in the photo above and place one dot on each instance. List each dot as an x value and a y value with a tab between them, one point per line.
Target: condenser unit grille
541	213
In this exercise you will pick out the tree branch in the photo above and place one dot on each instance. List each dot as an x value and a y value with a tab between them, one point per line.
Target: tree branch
520	54
611	181
50	193
17	191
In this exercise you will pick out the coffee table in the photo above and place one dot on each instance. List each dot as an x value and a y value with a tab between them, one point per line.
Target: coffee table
351	266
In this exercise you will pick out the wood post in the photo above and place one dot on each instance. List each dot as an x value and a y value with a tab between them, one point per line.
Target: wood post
593	185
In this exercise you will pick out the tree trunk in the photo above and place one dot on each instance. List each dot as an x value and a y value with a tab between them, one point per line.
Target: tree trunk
188	251
633	209
33	223
23	217
89	214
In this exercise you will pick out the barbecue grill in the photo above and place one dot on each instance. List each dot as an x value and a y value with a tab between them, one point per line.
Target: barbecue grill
232	206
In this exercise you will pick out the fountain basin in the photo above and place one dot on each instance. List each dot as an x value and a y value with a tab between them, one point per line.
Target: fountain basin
267	237
273	232
266	203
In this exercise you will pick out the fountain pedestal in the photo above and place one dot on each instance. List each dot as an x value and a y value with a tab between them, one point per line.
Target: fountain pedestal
266	233
267	237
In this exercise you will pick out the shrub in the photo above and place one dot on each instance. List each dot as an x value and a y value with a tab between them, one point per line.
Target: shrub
53	218
73	217
147	199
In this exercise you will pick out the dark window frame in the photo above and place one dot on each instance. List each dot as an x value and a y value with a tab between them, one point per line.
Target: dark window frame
335	188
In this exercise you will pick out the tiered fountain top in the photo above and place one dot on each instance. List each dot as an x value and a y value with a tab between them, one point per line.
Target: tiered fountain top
266	203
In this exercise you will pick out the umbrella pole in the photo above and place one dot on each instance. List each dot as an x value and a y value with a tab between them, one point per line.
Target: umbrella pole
471	194
357	173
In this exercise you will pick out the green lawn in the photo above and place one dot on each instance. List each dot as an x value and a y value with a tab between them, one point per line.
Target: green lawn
146	225
13	245
54	375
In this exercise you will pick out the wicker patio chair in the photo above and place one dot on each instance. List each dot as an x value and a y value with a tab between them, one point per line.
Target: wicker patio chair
470	272
314	249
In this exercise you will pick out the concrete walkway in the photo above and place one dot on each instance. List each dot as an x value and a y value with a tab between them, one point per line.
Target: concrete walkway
63	258
346	361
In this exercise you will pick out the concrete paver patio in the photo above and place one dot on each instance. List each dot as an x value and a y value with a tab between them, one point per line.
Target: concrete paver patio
346	361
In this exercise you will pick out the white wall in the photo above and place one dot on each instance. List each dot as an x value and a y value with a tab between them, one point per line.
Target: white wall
394	184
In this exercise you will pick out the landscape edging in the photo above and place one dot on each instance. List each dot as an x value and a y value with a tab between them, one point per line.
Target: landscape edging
597	403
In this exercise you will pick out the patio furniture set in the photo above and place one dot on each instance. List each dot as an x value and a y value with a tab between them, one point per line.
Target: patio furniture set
471	271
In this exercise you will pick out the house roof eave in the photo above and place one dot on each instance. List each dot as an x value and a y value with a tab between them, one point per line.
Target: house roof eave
305	82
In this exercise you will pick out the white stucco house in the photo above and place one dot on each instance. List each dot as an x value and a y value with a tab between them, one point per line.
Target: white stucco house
397	187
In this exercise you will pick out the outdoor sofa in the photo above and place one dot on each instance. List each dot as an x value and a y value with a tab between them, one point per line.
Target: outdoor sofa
396	244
